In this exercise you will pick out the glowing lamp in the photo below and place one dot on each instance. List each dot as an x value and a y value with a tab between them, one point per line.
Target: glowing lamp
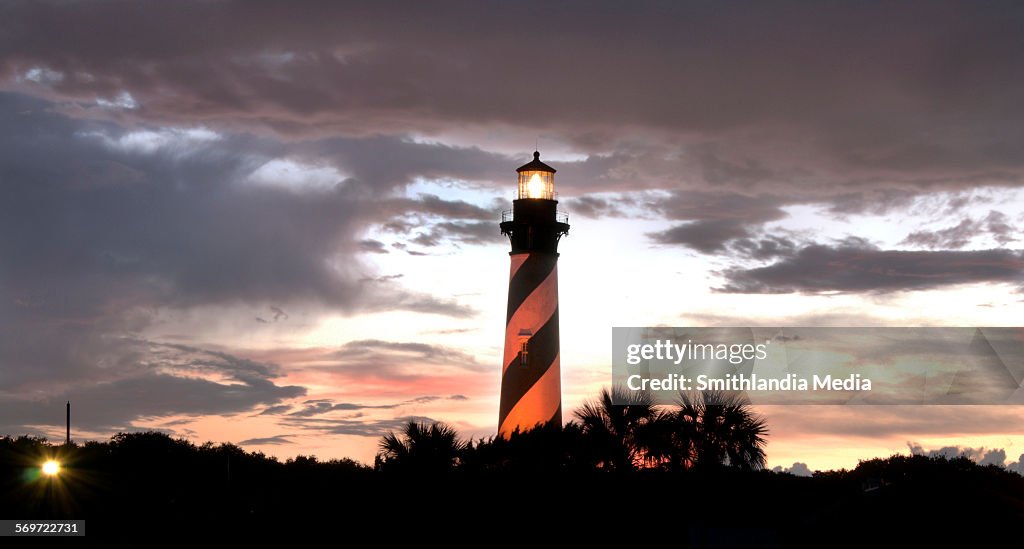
536	180
51	468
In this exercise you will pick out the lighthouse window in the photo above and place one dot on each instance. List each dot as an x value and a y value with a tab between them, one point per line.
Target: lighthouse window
524	354
536	184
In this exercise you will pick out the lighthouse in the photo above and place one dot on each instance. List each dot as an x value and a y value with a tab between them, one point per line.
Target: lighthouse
531	385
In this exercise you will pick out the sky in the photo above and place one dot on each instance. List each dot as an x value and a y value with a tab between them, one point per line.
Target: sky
276	223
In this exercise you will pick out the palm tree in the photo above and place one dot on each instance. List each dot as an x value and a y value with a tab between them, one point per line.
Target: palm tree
713	429
420	448
619	436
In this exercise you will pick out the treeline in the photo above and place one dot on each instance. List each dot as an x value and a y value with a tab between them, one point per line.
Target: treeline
140	485
691	474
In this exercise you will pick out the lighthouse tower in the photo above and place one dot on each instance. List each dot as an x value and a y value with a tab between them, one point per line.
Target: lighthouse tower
531	385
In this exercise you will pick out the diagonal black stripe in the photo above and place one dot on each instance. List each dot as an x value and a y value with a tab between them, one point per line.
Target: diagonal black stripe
519	378
531	274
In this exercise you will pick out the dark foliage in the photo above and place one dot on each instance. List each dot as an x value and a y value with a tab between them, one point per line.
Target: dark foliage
691	475
141	488
420	448
710	429
705	430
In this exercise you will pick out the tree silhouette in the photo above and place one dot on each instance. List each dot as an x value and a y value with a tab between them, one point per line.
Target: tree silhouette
547	448
619	436
129	486
420	448
710	429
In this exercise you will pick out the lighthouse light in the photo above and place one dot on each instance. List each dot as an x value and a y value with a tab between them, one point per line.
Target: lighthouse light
535	188
536	184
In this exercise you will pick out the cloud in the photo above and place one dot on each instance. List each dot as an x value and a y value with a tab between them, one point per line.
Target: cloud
146	174
1017	466
998	225
799	469
853	267
267	441
475	232
982	456
423	399
458	209
275	410
438	222
276	314
762	109
703	236
883	422
375	353
764	247
996	456
113	405
954	237
107	230
321	407
377	367
165	229
597	207
365	59
962	234
373	246
353	426
714	219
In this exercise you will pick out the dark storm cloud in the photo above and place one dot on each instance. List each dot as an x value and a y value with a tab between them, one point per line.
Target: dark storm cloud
875	94
853	268
394	160
102	225
96	223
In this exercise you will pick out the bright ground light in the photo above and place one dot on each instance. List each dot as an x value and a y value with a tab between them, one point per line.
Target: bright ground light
51	468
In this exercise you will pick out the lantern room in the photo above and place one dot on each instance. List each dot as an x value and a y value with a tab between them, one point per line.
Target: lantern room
536	180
